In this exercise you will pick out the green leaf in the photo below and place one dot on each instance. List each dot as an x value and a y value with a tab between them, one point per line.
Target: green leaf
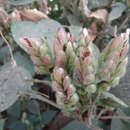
121	124
23	61
4	53
76	125
33	107
47	116
73	20
117	9
1	42
75	30
17	126
45	28
14	110
11	83
2	122
20	2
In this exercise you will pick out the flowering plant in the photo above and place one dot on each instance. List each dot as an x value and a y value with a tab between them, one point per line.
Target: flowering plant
81	75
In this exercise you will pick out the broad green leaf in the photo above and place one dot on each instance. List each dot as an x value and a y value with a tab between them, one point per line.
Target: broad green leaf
73	20
121	124
20	2
2	122
45	28
4	53
75	30
33	107
17	125
11	83
47	116
117	9
23	61
14	110
75	125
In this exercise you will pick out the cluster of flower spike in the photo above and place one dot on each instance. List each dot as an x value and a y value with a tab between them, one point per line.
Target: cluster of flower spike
113	60
40	54
65	91
79	64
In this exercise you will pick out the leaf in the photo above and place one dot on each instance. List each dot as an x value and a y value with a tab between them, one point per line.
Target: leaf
17	125
75	30
123	89
14	110
76	125
117	10
45	28
23	61
97	3
11	83
73	20
4	53
35	95
47	116
1	42
33	107
113	98
2	122
20	2
121	124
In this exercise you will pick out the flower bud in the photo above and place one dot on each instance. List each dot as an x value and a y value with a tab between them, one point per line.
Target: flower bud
66	82
44	50
62	36
125	51
115	81
71	90
89	79
57	46
35	43
69	48
36	60
47	61
59	74
121	71
56	87
61	59
61	98
74	99
32	45
41	70
105	86
91	88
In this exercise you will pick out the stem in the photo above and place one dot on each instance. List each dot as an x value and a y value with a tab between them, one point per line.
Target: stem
10	50
46	82
35	95
90	114
115	117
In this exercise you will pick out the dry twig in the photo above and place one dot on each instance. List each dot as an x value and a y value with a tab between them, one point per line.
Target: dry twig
10	50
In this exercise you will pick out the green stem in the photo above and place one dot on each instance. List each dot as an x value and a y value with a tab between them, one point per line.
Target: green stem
46	82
